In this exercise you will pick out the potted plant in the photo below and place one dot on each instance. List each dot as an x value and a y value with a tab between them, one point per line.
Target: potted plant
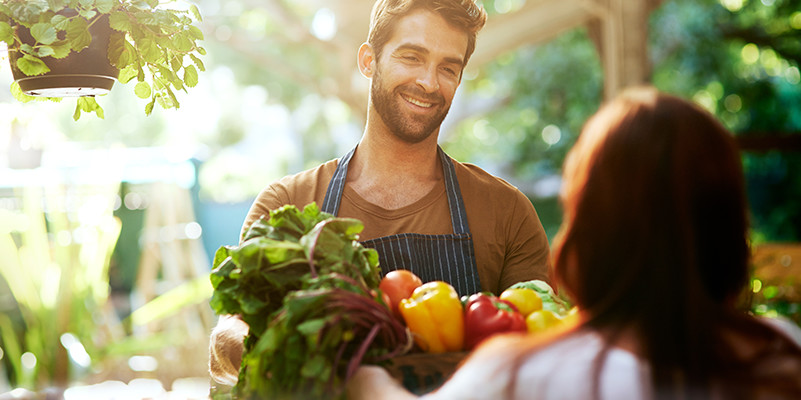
77	48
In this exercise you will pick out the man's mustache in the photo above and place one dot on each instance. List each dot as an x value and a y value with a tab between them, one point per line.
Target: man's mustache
419	94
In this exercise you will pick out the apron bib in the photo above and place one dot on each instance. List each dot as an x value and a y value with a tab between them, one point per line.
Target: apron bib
448	258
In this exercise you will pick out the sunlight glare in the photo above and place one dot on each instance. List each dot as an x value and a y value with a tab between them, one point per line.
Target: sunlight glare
76	350
732	5
792	75
324	24
551	134
750	53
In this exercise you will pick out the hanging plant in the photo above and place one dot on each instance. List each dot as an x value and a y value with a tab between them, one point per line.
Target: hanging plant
51	45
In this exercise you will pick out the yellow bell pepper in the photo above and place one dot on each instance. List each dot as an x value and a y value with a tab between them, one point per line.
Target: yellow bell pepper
435	317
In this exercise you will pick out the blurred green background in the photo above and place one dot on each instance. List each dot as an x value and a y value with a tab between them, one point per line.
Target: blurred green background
109	225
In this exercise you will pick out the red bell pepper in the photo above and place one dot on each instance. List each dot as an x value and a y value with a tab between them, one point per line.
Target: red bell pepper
486	315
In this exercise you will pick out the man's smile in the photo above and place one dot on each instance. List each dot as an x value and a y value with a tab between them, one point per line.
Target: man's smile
416	102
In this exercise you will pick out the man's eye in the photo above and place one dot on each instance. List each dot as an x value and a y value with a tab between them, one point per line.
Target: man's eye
410	58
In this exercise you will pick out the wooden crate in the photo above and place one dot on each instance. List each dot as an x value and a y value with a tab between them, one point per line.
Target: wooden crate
422	372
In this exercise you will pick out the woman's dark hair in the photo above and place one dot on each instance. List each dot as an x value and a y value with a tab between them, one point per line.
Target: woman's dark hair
654	241
463	14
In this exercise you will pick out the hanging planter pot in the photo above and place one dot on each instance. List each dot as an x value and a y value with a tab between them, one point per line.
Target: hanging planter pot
84	73
80	51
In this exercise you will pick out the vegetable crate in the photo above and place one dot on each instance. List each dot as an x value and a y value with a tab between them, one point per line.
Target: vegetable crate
423	372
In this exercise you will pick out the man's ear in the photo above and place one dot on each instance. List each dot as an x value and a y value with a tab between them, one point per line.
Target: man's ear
366	60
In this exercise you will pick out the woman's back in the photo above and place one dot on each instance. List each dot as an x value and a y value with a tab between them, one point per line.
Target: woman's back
515	368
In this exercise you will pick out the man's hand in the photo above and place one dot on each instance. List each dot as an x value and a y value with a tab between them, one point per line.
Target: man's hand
372	382
226	345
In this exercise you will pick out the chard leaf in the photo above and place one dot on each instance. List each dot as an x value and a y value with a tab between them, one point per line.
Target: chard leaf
314	366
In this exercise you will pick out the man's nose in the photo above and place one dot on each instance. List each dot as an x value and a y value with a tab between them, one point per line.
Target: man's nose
428	79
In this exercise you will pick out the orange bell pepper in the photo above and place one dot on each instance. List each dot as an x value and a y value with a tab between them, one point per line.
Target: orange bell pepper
434	316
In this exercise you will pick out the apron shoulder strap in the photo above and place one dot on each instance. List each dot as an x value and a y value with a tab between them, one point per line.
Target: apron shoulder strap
333	193
455	201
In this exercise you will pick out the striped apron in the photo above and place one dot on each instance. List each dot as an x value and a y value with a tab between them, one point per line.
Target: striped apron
448	258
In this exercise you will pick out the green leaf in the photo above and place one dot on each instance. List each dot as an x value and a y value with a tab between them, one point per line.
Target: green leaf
198	62
78	34
6	33
311	327
45	51
57	5
120	52
148	50
195	12
88	14
32	66
164	102
142	90
173	101
126	74
59	22
119	21
86	3
44	33
104	6
183	42
149	107
166	73
77	114
179	84
195	32
26	48
313	367
16	91
190	76
87	104
175	63
60	49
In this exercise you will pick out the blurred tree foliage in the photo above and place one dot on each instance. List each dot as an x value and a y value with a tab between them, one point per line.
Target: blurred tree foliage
740	59
737	58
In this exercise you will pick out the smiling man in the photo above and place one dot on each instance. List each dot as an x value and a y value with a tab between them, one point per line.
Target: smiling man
422	210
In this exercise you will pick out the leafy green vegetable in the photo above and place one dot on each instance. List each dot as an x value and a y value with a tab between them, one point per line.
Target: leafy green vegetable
305	286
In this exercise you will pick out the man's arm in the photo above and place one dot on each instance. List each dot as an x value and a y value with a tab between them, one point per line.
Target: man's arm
226	346
528	251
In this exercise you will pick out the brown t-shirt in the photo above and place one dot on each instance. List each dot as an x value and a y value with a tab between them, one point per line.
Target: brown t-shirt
509	241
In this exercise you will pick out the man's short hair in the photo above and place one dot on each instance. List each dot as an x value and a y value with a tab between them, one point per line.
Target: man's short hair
462	14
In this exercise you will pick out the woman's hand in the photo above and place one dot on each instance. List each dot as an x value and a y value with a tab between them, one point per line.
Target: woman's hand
371	382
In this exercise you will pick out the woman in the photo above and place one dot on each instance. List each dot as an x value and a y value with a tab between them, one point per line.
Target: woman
653	249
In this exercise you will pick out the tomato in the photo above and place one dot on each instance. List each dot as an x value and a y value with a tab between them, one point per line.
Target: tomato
384	300
526	300
399	285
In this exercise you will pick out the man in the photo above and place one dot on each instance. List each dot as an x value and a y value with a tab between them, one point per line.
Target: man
422	211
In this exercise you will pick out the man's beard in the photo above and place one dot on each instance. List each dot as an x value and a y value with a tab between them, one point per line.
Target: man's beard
408	127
